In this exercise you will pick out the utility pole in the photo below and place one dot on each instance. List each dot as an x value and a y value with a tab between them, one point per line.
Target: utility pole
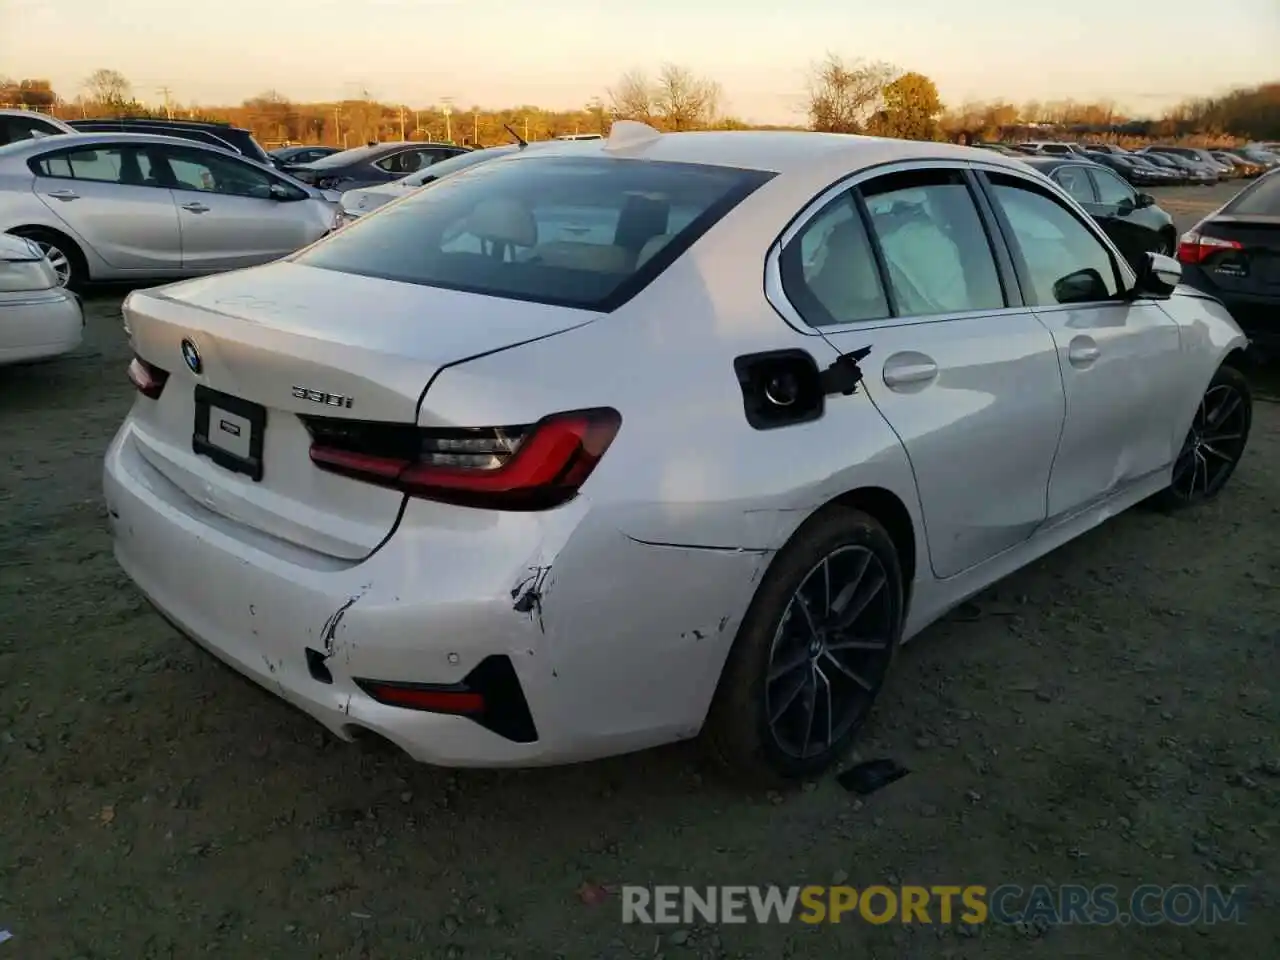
526	128
168	110
475	128
337	126
402	136
446	107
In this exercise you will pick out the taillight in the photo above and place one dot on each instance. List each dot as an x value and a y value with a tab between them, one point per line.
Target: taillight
147	377
1195	247
502	468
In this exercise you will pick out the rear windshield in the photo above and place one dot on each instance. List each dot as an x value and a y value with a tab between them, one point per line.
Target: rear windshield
454	164
587	232
1260	199
346	157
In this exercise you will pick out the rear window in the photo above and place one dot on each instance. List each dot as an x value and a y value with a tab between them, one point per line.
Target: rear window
345	157
1259	199
584	232
463	160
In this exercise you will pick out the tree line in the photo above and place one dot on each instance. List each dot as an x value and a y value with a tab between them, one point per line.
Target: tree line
841	95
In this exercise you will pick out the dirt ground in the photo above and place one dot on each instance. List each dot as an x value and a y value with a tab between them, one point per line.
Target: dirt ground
1111	715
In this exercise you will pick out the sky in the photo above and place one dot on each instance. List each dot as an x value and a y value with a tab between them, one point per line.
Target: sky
561	53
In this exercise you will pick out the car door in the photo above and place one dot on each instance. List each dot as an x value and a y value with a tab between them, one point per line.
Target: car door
1119	357
1133	228
966	377
109	198
227	214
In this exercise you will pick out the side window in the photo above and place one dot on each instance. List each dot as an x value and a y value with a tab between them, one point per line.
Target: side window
24	128
211	173
829	269
936	251
410	161
1065	262
1111	189
108	164
1075	180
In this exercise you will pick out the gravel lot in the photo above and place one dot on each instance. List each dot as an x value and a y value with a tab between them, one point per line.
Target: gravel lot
1111	715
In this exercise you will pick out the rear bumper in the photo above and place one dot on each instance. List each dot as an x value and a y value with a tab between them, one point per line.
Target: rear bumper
37	326
601	669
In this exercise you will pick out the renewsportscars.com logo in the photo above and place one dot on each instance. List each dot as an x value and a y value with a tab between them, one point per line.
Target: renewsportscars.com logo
1041	905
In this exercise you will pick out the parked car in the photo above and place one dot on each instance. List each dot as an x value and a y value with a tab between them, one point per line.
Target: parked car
580	136
356	203
18	125
1051	147
1188	171
1243	168
1234	254
38	319
285	157
1133	220
1003	148
1138	174
130	206
1196	156
417	527
372	165
1256	155
224	135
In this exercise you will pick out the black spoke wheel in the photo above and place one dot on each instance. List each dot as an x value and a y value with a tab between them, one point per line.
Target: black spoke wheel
1214	443
813	650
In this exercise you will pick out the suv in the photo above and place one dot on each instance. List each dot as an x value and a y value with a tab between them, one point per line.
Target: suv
217	134
24	124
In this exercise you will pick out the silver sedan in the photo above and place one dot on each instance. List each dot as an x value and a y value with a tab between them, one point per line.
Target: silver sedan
120	206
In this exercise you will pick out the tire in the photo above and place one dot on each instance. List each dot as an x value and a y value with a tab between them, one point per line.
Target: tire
1214	444
62	252
752	726
1168	244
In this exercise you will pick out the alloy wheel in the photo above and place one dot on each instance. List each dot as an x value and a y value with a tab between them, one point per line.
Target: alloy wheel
830	652
1214	443
60	262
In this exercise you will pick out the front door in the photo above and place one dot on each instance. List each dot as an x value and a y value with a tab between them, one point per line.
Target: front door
107	196
968	381
227	214
1120	359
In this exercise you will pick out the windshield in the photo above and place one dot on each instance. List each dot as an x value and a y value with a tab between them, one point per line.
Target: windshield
1259	199
347	157
463	160
582	232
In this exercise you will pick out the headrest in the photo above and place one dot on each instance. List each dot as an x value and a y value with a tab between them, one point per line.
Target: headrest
503	221
651	247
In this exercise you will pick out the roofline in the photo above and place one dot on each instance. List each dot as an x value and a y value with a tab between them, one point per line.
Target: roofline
60	140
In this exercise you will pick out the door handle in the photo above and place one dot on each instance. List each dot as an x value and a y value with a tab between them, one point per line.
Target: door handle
63	195
195	207
907	369
1082	352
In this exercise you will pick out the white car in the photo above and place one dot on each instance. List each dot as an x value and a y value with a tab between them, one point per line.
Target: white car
590	448
38	319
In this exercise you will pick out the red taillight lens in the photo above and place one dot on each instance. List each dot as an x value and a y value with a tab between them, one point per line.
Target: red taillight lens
147	377
432	699
1194	247
502	468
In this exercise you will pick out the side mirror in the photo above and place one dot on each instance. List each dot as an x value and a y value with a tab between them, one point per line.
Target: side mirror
283	194
1144	200
1083	286
1158	276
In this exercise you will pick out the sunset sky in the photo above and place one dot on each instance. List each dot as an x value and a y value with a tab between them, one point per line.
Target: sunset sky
560	53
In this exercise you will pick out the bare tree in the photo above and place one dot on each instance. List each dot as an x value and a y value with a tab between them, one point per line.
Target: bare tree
632	98
685	101
843	96
108	86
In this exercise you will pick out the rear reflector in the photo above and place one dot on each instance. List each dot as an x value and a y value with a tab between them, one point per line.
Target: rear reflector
428	698
148	378
503	468
1194	247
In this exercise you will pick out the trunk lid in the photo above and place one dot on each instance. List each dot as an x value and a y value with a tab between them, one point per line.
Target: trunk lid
288	341
1255	268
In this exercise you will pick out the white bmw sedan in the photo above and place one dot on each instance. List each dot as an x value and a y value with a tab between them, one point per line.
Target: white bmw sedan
595	447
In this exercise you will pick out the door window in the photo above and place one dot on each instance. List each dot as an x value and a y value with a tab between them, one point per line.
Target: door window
829	271
1064	261
108	164
1112	190
936	251
13	129
410	161
1075	180
211	173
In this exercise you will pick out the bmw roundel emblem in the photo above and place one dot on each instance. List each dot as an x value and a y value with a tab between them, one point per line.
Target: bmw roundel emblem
192	356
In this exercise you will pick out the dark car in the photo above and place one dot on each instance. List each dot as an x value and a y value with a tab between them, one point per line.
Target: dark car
297	155
1234	255
222	135
1185	169
1130	170
1131	219
1243	167
1206	168
367	166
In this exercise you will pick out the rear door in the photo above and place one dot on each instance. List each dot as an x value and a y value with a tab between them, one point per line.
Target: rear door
966	377
1120	359
108	195
227	215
